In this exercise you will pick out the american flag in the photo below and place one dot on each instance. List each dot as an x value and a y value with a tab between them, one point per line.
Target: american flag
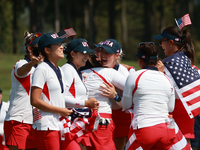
79	126
180	143
66	33
183	21
186	81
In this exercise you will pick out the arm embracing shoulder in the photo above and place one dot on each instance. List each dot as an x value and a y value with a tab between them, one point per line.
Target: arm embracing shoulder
128	90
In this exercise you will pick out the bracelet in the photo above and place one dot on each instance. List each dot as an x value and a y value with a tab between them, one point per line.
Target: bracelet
117	98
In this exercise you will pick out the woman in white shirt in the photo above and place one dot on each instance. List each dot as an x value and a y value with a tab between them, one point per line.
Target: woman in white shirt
151	95
76	93
19	118
3	110
47	94
95	78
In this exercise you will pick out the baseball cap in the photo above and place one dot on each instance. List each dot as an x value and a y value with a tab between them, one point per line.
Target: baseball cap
48	39
80	45
99	44
166	35
111	46
36	38
139	54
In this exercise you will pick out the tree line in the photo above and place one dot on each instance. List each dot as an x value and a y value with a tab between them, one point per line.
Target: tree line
128	21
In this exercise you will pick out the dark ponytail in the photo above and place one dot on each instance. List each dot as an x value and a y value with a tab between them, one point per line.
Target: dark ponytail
185	45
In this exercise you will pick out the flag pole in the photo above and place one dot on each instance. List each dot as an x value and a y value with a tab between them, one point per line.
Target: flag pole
176	22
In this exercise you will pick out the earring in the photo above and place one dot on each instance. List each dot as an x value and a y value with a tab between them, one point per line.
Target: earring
170	45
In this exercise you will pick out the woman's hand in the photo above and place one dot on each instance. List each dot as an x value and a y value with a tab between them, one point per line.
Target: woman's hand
65	112
92	103
160	66
108	91
36	60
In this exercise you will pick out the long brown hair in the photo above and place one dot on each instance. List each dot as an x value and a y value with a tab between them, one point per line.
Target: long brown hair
186	44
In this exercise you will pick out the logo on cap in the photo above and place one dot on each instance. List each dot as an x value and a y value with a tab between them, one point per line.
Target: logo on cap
54	36
176	39
85	44
107	42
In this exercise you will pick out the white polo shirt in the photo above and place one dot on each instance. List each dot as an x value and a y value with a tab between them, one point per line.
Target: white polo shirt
75	91
45	78
152	100
20	108
123	70
93	82
3	111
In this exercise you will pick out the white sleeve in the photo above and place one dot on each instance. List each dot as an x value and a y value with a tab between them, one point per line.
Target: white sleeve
171	102
39	77
19	64
118	80
70	101
128	90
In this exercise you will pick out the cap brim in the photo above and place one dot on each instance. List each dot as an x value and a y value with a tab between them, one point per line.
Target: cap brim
97	45
35	41
59	40
136	55
107	49
87	50
158	37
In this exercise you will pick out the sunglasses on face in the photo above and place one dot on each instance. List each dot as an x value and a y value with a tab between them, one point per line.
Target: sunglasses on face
142	43
160	42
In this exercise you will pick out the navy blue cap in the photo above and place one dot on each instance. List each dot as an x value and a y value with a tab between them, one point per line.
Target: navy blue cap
99	44
35	41
166	35
48	39
111	46
139	54
80	45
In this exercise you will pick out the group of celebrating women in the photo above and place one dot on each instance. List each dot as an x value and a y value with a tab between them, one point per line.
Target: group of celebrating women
93	79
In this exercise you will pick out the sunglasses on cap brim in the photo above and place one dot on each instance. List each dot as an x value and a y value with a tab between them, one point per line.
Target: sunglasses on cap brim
35	36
